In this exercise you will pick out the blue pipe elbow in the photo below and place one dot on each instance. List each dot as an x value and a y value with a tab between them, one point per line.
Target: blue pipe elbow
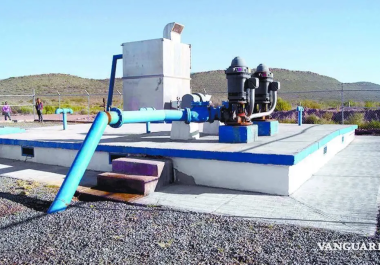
79	166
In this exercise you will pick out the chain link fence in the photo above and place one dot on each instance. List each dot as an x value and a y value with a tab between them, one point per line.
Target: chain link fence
334	106
81	102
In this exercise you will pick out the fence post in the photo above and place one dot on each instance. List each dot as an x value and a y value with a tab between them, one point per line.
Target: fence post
34	104
59	99
121	98
88	104
342	106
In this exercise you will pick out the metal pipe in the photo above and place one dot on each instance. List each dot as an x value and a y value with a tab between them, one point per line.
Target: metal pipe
269	112
251	102
116	118
112	80
299	109
79	166
64	115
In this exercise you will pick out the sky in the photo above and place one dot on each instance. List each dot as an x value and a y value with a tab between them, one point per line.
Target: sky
336	38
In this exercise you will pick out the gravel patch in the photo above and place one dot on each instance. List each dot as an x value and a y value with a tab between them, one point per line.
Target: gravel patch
117	233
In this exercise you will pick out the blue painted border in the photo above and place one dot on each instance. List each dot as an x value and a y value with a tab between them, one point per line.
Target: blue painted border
285	160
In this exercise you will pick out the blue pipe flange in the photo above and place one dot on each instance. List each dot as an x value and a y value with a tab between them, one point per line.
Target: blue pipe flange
188	116
119	123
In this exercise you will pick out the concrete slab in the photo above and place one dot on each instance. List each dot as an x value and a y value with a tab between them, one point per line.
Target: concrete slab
277	164
344	200
53	175
134	139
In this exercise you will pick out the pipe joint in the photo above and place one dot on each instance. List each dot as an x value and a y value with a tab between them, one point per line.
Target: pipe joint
188	115
119	122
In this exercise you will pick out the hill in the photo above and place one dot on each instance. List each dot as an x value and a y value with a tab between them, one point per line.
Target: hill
295	85
305	83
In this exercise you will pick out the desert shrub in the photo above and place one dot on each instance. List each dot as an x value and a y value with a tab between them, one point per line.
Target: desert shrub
370	125
288	121
26	110
356	118
370	104
95	110
312	119
311	104
83	112
49	110
283	105
327	115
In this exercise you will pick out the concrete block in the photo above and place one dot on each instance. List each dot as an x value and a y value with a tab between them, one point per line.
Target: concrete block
140	167
116	182
182	131
238	134
267	128
212	128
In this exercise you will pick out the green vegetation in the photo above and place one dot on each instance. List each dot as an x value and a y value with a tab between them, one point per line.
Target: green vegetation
283	105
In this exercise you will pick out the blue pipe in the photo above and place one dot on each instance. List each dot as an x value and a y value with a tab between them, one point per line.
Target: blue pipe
79	166
117	118
64	117
299	109
112	80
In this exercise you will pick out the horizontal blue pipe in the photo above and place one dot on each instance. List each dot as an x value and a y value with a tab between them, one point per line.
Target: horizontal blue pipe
59	111
79	166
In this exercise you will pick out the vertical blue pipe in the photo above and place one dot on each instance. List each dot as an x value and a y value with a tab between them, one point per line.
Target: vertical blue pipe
299	109
148	127
112	79
64	120
79	166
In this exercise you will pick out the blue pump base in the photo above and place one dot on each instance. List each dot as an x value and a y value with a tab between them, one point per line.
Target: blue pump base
238	134
267	128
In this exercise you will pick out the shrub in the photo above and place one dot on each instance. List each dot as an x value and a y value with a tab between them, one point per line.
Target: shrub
327	115
49	110
283	105
356	118
288	121
370	104
370	125
311	104
312	119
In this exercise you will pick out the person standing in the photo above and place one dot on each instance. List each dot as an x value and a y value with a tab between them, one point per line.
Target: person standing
7	111
39	108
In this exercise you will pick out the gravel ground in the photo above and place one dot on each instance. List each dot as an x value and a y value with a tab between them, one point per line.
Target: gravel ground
118	233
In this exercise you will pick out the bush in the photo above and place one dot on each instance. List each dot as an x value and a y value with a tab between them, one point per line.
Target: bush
312	119
370	104
283	105
327	115
370	125
356	118
288	121
49	110
311	104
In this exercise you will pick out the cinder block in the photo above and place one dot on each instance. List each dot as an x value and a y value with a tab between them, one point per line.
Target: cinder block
267	128
238	134
140	167
116	182
212	128
182	131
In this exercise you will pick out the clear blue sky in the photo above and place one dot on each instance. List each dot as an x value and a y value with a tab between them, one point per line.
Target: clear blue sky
337	38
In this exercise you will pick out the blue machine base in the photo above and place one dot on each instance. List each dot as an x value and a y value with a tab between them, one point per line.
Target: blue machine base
267	128
237	134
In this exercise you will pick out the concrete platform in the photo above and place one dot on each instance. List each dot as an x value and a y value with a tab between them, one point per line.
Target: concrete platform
342	196
274	164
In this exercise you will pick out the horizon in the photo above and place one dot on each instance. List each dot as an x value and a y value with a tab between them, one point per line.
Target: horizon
329	39
190	74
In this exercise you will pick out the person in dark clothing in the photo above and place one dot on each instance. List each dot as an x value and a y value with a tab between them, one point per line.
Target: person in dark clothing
39	107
